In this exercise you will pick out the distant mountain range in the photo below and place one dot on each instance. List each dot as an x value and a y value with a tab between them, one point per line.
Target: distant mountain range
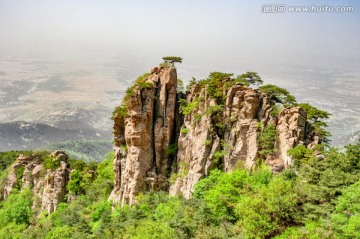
86	150
25	135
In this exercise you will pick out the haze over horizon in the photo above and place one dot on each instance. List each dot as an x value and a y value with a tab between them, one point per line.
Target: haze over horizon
314	55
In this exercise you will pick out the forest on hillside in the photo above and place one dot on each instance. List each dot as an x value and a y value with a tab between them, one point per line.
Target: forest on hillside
317	198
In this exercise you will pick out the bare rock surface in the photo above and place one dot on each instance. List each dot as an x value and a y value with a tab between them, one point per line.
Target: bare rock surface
142	137
49	186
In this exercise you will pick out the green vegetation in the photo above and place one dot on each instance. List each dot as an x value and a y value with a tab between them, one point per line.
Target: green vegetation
120	111
266	140
15	214
7	158
213	109
191	83
184	130
188	107
278	94
172	149
218	155
316	118
215	83
170	60
139	84
317	198
180	86
49	163
86	150
314	114
252	78
346	219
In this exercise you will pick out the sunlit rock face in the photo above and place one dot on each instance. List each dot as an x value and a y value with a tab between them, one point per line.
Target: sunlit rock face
204	140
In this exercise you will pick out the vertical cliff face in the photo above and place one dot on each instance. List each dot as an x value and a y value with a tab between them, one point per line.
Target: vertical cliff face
48	185
219	129
291	131
245	108
223	139
143	135
197	145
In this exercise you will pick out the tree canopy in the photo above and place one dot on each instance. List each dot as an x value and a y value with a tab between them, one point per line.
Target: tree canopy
278	94
252	78
313	113
171	60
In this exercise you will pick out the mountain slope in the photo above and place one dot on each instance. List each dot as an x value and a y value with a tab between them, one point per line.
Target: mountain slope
24	135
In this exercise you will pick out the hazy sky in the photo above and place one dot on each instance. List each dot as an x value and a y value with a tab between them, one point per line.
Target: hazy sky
314	55
196	30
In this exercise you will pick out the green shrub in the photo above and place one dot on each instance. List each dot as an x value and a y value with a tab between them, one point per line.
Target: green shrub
346	219
120	111
172	149
278	94
214	109
188	107
19	175
218	155
266	141
17	208
185	130
252	78
165	64
50	163
197	117
139	84
268	211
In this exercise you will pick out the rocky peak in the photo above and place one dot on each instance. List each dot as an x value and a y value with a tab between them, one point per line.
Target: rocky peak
143	135
219	127
230	139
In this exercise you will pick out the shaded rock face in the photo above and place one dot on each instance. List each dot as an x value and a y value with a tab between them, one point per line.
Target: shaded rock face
142	137
49	186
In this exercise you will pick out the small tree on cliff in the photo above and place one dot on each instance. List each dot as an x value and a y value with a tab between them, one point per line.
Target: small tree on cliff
252	77
278	94
317	119
170	60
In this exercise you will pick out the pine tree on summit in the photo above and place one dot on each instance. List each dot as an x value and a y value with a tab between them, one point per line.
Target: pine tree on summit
172	59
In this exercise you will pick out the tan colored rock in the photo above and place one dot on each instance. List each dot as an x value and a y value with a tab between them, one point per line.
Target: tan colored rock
195	156
243	116
291	131
206	140
142	137
48	186
11	182
54	188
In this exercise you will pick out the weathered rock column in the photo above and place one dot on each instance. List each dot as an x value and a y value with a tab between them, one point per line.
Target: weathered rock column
142	136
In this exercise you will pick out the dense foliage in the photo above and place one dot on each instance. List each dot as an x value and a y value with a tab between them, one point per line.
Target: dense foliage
86	150
317	198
